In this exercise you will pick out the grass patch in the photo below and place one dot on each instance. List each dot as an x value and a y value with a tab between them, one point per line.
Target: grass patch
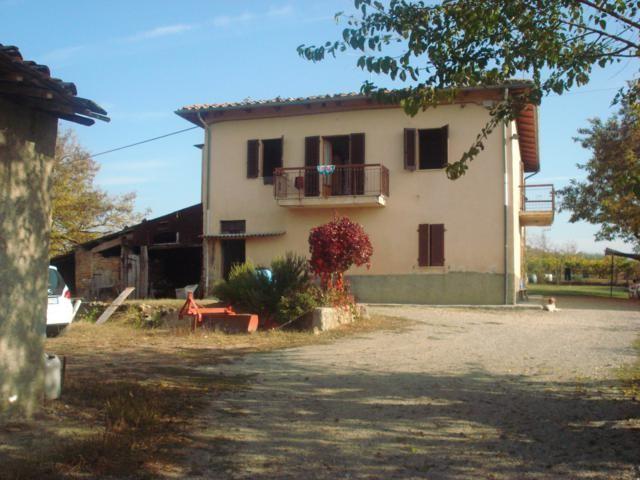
133	395
550	290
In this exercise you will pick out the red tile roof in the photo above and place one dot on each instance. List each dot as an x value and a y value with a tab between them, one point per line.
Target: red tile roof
31	84
527	121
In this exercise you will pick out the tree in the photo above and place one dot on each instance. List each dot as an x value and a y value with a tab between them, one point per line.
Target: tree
335	247
468	43
80	210
610	195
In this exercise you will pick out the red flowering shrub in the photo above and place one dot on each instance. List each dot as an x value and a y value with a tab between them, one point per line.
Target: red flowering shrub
335	247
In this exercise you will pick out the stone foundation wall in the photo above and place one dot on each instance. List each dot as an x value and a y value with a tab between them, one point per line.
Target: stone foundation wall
451	288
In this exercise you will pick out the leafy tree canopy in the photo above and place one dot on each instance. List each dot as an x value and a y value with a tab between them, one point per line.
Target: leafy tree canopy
80	210
439	47
610	195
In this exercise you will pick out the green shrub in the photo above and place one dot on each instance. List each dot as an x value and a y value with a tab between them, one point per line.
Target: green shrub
90	311
289	293
247	290
294	306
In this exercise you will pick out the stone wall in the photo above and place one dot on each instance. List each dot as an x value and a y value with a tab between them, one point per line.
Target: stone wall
451	288
322	319
27	145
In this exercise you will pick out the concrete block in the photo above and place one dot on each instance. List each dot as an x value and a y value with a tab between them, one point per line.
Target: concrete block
327	318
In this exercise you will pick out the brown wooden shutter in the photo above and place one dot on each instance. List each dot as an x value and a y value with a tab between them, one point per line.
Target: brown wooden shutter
311	151
410	149
444	146
356	157
311	159
436	245
423	245
357	149
253	158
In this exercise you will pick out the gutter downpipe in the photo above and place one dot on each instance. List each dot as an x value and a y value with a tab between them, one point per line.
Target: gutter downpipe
205	203
506	205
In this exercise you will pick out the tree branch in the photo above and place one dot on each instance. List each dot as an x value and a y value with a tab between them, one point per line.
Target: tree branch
613	14
602	33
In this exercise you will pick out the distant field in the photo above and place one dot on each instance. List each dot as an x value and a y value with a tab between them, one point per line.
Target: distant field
576	290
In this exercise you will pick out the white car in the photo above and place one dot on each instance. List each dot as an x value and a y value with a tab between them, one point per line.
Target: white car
60	308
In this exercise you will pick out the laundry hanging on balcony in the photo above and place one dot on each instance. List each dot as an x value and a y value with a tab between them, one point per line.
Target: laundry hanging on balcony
326	169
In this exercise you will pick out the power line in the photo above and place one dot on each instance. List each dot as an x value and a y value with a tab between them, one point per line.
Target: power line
145	141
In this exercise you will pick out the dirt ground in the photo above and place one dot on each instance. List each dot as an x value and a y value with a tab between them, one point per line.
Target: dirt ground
135	389
460	394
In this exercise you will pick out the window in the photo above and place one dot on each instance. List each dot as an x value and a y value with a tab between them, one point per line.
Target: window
336	150
432	144
341	151
432	148
265	152
431	245
233	226
271	158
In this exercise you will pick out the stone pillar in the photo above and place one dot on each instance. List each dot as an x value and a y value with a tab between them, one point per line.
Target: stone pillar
27	146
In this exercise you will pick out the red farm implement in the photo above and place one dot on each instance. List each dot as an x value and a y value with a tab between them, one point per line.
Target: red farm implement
223	318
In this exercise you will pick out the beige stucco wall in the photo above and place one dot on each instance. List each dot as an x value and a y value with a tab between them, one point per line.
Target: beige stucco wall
471	208
515	183
27	143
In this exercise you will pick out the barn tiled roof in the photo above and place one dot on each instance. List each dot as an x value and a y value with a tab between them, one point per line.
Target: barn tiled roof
31	84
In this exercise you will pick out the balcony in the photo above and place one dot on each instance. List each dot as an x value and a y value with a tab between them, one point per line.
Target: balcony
537	205
346	186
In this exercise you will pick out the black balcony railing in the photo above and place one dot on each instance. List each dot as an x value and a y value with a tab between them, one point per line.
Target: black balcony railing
538	198
346	180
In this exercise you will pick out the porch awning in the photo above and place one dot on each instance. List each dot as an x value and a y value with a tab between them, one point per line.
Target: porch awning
240	236
616	253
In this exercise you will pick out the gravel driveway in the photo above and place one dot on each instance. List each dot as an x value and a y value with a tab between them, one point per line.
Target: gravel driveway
458	394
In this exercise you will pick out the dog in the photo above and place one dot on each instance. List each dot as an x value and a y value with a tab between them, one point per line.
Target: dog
551	305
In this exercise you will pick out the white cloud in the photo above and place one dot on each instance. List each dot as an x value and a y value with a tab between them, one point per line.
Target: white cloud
280	11
161	32
228	20
122	180
231	20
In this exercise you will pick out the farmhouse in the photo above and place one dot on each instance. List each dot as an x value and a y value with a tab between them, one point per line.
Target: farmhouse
273	169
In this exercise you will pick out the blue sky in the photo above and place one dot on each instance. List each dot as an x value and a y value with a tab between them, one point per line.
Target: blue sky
142	60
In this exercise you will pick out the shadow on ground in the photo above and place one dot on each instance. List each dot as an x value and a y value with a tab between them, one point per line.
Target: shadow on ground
306	423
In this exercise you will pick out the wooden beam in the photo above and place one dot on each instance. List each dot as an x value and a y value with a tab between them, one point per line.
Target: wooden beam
114	305
116	242
74	118
144	272
21	89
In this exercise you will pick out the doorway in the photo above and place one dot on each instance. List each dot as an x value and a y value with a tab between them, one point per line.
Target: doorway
336	152
233	253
